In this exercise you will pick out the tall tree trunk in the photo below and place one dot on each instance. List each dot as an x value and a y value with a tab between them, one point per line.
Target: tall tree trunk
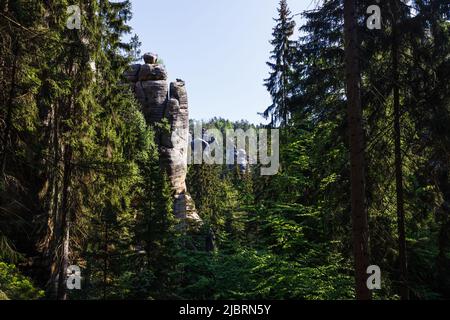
404	291
65	213
359	214
65	224
105	262
50	242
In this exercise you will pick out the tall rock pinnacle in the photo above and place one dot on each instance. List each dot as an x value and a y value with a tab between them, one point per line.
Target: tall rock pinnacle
149	83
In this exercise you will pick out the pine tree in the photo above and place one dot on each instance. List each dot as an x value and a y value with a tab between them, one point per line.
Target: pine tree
156	231
135	48
87	89
279	82
429	109
359	213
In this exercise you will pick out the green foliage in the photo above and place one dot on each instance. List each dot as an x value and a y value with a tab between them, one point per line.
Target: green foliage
15	286
242	273
77	155
279	83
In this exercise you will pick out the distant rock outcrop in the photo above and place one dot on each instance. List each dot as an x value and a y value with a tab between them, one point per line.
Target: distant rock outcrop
149	82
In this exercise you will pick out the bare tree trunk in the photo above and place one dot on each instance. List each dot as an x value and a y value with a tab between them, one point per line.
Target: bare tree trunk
359	213
53	235
105	262
65	224
404	292
65	213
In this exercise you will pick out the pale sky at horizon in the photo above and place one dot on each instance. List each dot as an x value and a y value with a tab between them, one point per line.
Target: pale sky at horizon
218	47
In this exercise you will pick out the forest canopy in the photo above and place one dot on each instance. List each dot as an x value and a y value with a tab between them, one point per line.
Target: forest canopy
363	110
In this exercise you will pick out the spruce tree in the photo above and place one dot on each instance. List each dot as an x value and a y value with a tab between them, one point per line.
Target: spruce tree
279	81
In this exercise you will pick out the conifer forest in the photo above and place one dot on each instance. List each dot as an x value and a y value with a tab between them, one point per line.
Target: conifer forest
111	190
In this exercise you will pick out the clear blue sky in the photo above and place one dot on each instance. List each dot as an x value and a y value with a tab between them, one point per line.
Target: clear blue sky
219	47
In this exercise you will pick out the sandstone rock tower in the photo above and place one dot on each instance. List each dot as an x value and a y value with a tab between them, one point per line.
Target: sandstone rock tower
162	101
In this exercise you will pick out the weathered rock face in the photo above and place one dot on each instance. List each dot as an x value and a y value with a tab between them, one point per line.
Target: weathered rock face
150	58
151	89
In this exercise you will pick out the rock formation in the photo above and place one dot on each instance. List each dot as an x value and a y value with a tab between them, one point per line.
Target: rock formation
150	86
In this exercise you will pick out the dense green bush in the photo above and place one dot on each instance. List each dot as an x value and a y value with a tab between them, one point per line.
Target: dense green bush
15	286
